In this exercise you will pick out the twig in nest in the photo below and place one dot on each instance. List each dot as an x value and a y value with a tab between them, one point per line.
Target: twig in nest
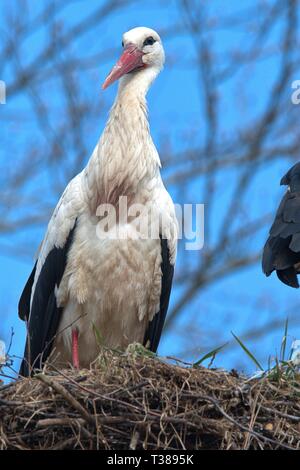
62	391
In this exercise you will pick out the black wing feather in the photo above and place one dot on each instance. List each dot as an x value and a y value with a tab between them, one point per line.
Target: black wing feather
282	249
44	314
24	302
154	330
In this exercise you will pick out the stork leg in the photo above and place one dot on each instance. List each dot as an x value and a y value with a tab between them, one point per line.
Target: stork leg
75	355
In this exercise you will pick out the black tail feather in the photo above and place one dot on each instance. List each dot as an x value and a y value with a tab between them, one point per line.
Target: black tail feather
288	276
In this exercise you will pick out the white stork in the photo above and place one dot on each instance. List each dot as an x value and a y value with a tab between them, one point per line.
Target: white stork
82	283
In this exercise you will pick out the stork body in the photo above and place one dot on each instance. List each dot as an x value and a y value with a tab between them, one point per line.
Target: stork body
85	288
282	249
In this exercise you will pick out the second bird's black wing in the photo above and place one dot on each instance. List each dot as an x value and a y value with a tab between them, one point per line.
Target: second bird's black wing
154	330
282	249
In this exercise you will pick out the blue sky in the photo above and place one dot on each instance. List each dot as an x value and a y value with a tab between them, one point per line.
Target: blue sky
239	302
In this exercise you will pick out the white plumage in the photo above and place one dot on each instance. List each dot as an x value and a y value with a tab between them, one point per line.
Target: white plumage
112	286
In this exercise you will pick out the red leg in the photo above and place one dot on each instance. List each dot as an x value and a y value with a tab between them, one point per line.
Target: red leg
75	355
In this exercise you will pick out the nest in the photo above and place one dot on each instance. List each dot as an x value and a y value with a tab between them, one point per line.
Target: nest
133	402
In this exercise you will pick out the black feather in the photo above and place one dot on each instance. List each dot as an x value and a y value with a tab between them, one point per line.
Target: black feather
282	249
154	330
288	276
292	178
44	314
24	302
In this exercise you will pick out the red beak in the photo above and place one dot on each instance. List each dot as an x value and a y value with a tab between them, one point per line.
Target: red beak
130	60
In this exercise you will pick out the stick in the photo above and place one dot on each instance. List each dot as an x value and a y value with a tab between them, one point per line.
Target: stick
62	391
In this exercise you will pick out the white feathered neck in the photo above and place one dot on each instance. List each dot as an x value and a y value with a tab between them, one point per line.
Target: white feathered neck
125	157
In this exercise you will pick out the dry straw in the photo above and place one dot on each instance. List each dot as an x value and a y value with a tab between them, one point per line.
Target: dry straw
133	402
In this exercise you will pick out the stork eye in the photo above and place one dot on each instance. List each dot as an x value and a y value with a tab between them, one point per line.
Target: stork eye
122	43
149	41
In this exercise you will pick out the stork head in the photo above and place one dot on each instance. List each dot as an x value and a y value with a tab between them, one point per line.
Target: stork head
142	50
